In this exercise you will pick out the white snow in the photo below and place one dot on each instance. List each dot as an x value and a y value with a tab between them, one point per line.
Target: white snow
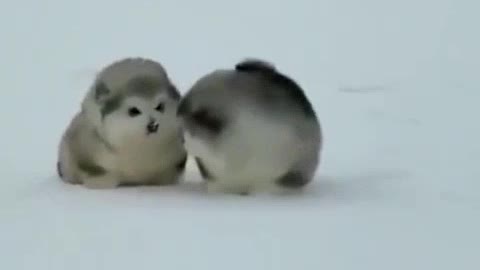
396	87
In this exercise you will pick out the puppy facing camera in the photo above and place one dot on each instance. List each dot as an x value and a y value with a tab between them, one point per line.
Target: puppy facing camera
251	129
126	132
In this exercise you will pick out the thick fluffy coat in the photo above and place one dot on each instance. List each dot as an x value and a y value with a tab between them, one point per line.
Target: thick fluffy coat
126	132
251	129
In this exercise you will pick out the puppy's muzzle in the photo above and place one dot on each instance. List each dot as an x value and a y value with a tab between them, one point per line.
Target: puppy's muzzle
152	127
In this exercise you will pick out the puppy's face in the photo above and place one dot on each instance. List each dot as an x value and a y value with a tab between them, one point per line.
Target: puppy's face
138	115
137	119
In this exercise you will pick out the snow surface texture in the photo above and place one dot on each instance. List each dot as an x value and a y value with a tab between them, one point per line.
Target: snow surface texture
395	84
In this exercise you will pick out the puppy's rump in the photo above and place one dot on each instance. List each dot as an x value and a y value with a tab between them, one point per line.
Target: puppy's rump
270	136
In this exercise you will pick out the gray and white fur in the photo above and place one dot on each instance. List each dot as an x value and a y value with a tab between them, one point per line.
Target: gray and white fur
251	129
126	132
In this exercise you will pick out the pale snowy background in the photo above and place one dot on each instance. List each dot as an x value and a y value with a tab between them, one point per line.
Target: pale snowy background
395	84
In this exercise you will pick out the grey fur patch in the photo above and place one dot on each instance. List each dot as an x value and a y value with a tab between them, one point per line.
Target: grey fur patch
101	90
286	85
185	107
203	170
149	86
144	86
91	168
201	120
174	93
208	120
181	165
111	105
292	179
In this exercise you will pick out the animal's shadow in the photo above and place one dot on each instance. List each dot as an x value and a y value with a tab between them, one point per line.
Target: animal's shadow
344	189
359	187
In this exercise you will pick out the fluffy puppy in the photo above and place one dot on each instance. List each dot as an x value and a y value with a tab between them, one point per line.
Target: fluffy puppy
251	129
126	132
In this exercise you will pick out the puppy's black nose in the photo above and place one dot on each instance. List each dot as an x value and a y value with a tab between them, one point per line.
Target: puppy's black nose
152	127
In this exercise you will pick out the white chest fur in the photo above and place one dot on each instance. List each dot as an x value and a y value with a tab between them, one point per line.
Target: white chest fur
138	162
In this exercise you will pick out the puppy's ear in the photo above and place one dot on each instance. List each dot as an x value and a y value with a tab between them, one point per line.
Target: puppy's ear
184	107
101	92
173	92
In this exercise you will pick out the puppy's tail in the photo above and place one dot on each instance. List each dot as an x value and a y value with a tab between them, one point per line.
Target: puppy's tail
255	65
268	72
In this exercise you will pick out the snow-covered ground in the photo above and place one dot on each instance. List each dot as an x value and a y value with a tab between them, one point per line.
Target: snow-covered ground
395	84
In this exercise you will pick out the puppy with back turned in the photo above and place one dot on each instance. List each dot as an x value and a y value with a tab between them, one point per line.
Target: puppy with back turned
251	129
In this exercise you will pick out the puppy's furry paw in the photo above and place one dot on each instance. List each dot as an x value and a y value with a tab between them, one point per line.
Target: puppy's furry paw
167	178
216	187
101	182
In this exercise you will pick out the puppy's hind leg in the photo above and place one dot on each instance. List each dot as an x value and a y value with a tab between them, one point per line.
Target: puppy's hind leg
290	183
300	175
97	177
65	166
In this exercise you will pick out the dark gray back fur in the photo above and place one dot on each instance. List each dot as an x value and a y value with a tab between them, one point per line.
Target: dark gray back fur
276	84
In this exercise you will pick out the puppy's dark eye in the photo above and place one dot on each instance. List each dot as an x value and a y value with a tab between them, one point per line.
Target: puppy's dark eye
160	107
133	111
